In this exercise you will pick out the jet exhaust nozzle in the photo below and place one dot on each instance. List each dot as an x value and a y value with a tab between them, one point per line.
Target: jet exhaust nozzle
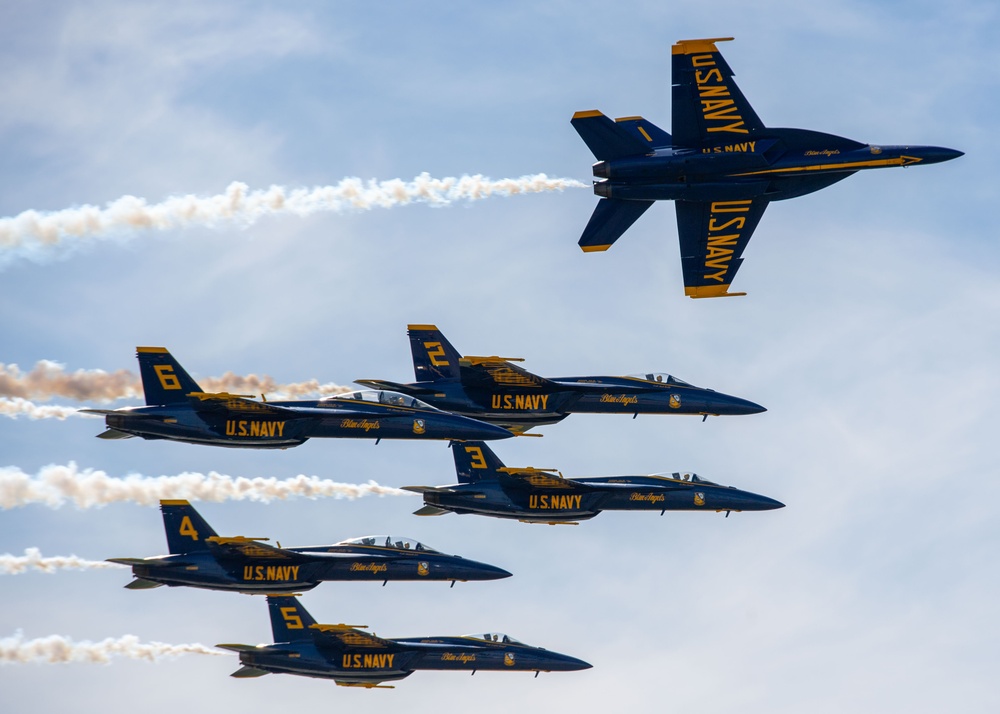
602	169
603	189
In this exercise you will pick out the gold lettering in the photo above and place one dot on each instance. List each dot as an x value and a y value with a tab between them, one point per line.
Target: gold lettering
187	528
281	428
702	61
715	90
704	77
230	427
243	428
737	222
711	106
254	428
165	373
730	206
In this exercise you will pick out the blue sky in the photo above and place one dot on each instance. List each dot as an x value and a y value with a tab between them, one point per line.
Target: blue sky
869	332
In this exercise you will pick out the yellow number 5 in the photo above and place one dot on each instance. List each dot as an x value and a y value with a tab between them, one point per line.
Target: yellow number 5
292	621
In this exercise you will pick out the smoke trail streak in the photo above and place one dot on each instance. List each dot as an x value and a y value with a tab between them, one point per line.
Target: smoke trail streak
33	560
56	649
31	230
54	485
50	379
21	407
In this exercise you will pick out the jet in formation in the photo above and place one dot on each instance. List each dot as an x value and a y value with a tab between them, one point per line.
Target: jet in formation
200	558
179	410
494	390
488	488
355	658
721	166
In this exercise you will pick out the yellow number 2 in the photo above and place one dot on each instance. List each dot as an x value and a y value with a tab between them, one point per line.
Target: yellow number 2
292	621
437	351
478	460
187	528
168	380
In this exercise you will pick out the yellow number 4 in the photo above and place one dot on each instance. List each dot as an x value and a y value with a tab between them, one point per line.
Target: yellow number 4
437	351
168	380
187	528
478	460
292	621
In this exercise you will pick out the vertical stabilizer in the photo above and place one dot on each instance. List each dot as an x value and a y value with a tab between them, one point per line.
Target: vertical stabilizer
164	381
290	621
433	356
475	461
187	531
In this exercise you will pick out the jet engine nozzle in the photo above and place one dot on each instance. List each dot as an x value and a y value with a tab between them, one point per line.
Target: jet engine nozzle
602	169
603	189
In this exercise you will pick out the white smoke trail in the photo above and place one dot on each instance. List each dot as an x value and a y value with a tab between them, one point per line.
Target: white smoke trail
31	230
22	407
33	560
49	379
54	485
56	649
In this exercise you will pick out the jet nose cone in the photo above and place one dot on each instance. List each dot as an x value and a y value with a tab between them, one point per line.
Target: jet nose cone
475	430
733	406
937	154
768	504
572	664
484	571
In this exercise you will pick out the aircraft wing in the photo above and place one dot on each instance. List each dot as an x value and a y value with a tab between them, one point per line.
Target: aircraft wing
713	236
225	402
251	548
707	105
490	372
350	636
410	389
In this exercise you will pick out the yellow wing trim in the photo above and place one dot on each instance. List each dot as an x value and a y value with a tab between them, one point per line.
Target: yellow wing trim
710	291
692	47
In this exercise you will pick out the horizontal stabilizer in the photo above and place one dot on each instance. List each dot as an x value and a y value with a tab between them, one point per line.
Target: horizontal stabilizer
127	561
114	434
245	672
409	389
605	139
142	584
610	220
431	511
263	649
431	489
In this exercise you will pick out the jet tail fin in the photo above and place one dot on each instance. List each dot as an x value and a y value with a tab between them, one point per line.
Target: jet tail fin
475	461
605	139
187	531
434	357
290	622
610	220
164	381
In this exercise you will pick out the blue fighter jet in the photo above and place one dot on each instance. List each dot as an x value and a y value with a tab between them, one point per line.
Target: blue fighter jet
355	658
200	558
179	410
722	167
488	488
495	390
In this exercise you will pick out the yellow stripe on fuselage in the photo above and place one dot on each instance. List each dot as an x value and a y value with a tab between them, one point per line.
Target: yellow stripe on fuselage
846	165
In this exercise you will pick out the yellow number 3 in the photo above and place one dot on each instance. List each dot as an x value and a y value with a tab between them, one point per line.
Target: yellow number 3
187	528
478	460
292	621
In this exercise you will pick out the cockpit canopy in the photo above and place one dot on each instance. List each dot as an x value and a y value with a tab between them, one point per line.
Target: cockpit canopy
495	637
380	396
689	477
385	541
660	378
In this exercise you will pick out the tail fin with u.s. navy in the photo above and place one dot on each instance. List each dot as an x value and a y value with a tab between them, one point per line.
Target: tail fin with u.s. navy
187	531
164	381
434	358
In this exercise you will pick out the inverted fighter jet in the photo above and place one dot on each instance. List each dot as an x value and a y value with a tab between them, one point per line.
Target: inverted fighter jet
355	658
721	166
179	410
488	488
495	390
200	558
